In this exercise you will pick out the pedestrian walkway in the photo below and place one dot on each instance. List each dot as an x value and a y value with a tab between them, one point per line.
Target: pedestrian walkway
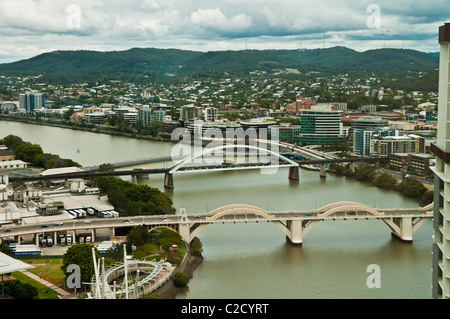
60	291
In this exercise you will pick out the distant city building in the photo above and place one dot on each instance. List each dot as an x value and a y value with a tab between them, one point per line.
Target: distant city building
189	112
383	146
31	100
369	108
420	163
335	106
416	163
13	164
286	132
320	125
96	118
368	123
210	114
362	139
148	115
198	127
6	154
300	104
130	117
258	123
404	126
9	106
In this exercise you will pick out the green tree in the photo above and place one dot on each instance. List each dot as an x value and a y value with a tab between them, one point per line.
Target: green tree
196	247
385	180
19	290
365	173
67	114
4	248
411	187
138	236
80	255
28	152
106	167
12	141
181	279
427	197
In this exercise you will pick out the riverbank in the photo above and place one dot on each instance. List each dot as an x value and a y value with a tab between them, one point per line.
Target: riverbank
170	290
86	129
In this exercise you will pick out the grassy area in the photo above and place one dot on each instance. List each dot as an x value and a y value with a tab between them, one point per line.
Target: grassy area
50	269
44	291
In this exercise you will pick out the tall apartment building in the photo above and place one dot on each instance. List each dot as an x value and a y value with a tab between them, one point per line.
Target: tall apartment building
320	125
362	139
189	112
210	114
31	100
441	149
383	146
148	115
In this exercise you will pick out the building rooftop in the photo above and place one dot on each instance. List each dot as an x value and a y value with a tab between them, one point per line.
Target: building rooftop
62	170
9	264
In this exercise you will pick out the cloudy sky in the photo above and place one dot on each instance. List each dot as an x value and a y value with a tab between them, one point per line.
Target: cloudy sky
31	27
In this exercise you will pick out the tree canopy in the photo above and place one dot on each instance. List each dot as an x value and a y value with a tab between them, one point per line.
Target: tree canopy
132	200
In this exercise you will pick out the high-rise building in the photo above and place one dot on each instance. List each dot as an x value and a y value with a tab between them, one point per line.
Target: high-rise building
320	125
286	132
383	146
210	114
31	100
441	149
189	112
148	115
362	139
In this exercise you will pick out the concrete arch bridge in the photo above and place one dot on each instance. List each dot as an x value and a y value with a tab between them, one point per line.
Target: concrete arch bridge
402	222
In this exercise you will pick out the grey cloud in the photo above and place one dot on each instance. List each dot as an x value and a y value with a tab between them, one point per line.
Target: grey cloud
215	23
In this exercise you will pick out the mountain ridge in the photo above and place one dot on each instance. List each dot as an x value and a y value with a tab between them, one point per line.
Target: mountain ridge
154	62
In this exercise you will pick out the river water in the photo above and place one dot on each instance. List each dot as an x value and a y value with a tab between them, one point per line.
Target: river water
254	260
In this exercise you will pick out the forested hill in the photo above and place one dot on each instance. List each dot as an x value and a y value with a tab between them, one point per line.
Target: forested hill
151	62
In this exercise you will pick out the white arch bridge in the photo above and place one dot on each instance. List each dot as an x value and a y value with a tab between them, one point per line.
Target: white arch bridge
222	157
403	222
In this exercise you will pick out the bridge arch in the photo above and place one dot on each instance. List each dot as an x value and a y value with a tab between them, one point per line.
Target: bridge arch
346	207
238	209
173	227
223	147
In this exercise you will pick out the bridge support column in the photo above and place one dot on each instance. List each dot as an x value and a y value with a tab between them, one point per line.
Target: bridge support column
293	173
168	180
134	179
185	231
351	166
405	226
323	171
296	231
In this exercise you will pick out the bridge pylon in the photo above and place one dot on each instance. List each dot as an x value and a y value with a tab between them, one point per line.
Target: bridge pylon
168	180
293	173
323	171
